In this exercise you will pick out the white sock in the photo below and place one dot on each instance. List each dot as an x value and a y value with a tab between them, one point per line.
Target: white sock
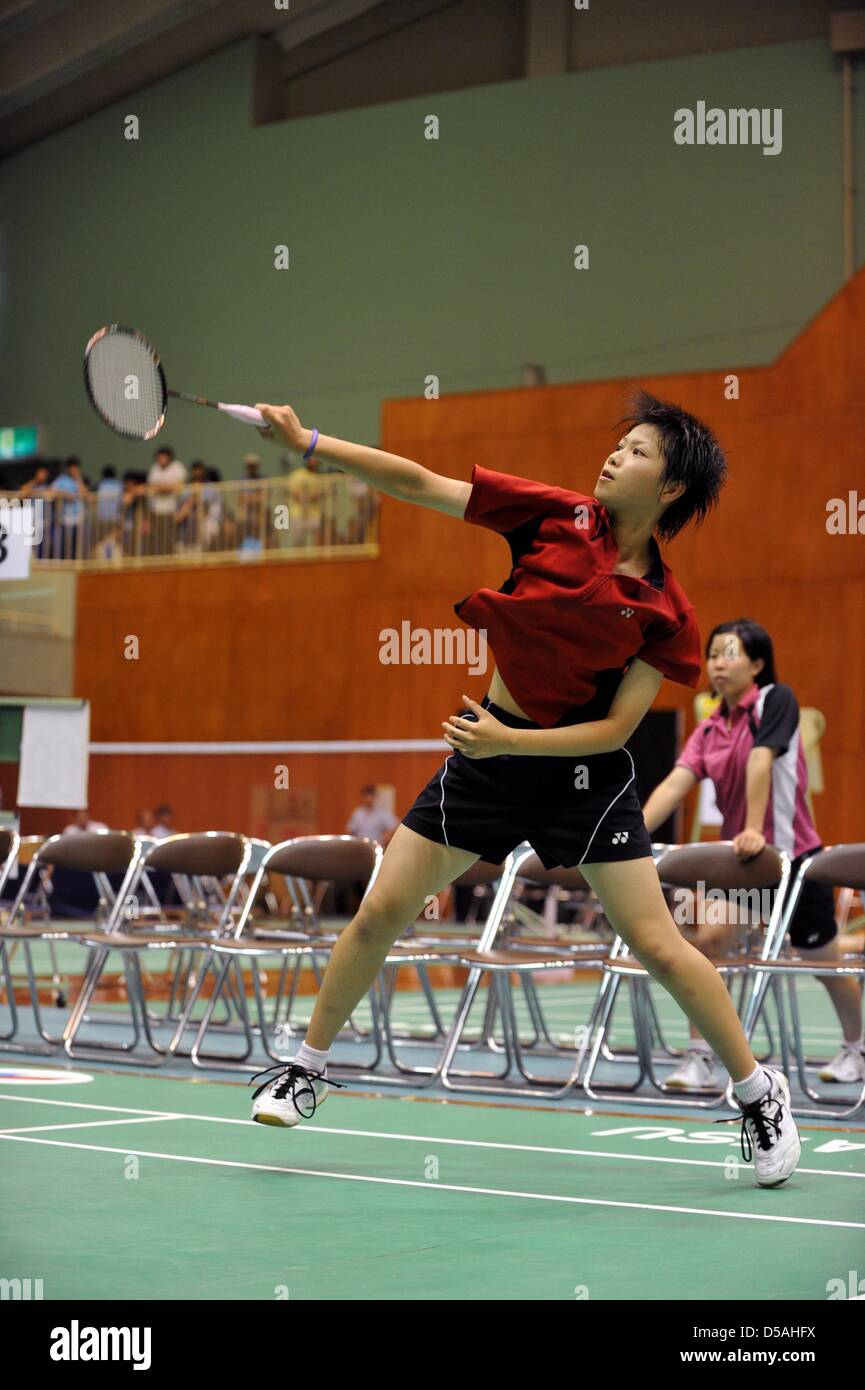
307	1056
753	1086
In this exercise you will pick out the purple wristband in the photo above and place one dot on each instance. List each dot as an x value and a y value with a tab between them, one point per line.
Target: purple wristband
312	444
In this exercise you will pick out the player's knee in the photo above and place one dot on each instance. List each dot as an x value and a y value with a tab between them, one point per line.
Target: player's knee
379	918
661	956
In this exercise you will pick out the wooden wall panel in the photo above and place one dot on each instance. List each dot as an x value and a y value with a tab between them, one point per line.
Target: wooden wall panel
236	791
293	651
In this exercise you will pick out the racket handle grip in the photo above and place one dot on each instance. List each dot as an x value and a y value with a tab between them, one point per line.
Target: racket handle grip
247	414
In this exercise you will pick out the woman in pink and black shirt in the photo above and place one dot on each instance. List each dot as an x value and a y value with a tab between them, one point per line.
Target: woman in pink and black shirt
751	749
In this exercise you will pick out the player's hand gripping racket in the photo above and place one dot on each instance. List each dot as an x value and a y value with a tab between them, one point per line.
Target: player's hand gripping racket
126	385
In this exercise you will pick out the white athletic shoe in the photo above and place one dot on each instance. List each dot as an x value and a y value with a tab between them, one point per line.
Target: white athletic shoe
697	1072
294	1095
847	1065
769	1133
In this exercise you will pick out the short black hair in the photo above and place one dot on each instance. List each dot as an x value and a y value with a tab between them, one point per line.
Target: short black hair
757	643
692	456
368	790
109	471
163	449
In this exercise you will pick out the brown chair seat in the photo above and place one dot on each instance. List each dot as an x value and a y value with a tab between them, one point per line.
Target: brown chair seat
146	940
47	930
560	942
252	946
845	964
515	960
723	964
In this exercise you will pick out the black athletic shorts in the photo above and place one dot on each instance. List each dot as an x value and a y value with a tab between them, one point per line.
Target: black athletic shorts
575	810
813	922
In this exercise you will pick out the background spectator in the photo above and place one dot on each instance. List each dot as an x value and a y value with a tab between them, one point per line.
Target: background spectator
304	504
69	510
83	822
164	825
167	476
370	821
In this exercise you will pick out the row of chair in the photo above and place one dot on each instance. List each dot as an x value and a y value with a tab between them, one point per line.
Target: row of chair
214	933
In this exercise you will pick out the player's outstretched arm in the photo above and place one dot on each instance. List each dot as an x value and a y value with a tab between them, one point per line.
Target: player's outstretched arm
398	477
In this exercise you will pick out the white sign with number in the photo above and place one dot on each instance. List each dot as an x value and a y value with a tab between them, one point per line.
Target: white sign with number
14	554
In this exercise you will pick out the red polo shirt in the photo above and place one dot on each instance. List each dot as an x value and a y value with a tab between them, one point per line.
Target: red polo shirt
563	627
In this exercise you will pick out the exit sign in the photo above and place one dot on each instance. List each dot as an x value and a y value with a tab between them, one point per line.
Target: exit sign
19	441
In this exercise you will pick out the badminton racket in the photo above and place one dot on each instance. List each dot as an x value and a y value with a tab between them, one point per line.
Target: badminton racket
127	389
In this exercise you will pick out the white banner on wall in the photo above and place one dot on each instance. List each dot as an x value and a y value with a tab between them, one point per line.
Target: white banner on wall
55	751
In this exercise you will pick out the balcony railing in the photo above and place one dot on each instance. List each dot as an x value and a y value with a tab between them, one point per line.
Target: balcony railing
302	516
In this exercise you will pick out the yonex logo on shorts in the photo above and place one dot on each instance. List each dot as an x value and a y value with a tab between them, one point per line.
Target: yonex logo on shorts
620	837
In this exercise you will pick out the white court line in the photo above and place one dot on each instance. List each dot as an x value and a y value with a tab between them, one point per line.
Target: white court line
419	1138
447	1187
95	1124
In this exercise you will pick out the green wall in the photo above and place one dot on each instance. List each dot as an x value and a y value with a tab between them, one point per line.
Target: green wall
409	256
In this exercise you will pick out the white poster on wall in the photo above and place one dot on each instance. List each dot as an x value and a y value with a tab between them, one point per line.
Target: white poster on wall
15	551
55	752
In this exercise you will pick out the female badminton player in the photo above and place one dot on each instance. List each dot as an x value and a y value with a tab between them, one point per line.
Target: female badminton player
751	748
583	631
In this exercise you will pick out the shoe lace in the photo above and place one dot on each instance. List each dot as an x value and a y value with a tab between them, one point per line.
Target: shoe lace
296	1081
764	1118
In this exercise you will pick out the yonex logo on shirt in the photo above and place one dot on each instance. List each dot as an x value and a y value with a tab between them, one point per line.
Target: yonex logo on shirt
627	612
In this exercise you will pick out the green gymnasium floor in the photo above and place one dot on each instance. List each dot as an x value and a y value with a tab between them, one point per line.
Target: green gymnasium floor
136	1184
153	1187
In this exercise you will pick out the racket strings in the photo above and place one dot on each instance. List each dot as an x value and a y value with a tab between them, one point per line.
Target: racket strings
126	384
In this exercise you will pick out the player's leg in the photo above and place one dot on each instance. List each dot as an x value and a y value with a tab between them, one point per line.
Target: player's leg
631	896
413	869
716	931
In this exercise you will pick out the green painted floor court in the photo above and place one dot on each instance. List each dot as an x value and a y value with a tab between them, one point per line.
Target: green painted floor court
138	1187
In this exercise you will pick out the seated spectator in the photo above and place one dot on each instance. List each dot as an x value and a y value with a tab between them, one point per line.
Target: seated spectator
110	545
144	822
83	822
164	824
370	821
